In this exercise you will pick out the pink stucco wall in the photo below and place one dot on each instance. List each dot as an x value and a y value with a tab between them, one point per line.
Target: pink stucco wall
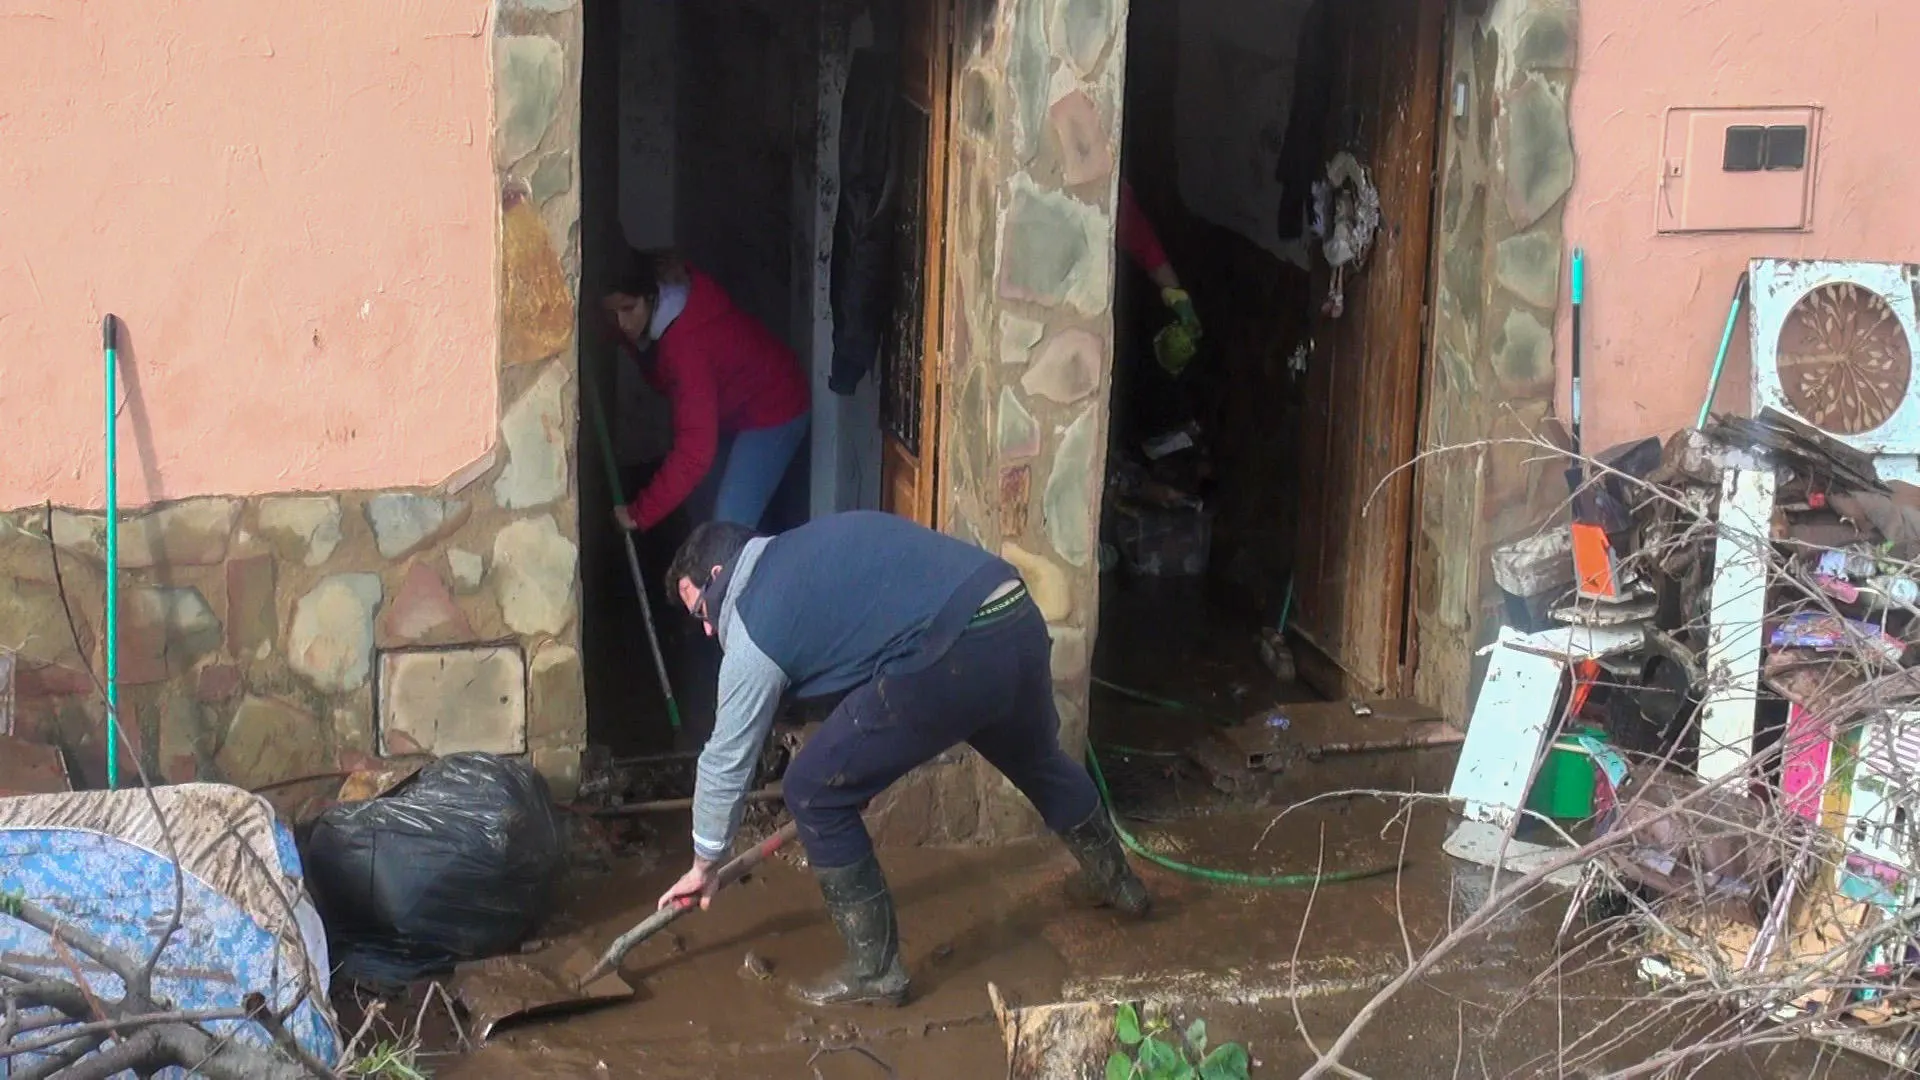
1656	304
291	207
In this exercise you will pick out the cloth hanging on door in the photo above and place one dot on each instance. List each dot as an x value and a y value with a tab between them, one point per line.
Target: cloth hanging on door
861	275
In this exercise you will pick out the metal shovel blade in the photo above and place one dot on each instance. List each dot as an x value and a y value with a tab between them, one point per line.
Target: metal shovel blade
523	987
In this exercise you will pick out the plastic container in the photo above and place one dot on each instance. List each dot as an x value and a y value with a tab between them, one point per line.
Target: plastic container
1567	781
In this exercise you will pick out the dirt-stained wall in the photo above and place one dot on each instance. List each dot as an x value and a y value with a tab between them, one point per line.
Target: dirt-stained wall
1029	298
310	605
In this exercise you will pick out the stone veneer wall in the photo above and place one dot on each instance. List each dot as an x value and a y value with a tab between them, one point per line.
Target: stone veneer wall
273	637
1508	166
1029	278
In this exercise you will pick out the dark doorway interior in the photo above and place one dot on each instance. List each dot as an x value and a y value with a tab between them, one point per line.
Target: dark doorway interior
1232	111
698	128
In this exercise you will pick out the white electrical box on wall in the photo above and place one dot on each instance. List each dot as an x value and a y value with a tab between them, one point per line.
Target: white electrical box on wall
1737	170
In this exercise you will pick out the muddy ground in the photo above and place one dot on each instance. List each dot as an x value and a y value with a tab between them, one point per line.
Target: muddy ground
1240	958
1280	970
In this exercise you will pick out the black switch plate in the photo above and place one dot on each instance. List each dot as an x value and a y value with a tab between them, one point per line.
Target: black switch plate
1746	149
1786	149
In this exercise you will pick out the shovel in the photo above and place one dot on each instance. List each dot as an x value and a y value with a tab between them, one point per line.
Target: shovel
503	988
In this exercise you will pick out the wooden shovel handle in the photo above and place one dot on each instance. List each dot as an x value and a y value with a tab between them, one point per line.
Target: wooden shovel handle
730	872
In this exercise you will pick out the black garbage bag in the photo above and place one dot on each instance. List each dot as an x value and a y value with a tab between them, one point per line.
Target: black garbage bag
456	864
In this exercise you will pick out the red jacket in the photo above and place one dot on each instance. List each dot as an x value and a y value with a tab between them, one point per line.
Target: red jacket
1137	237
724	373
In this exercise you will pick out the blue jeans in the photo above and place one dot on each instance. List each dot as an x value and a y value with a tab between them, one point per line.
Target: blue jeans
748	472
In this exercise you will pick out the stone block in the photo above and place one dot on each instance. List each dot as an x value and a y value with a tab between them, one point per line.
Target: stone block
1081	30
331	640
1018	336
467	569
404	522
536	303
535	433
1067	366
422	612
533	572
1055	250
216	682
1068	500
271	740
252	624
33	623
193	532
448	701
553	176
1528	266
1523	354
36	682
1019	432
164	631
301	528
1546	40
1086	145
1539	160
559	702
1029	74
529	74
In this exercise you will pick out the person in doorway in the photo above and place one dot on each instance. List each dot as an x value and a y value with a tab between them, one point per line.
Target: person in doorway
1142	245
725	375
934	642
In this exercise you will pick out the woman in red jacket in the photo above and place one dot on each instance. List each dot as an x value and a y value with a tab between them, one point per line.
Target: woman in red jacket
725	375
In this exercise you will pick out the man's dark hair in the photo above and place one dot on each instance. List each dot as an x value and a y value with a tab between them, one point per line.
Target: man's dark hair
715	543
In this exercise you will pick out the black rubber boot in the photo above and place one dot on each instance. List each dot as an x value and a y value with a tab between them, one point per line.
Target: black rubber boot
862	908
1105	877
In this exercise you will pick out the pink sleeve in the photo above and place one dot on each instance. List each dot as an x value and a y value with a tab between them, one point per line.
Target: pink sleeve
1137	237
688	382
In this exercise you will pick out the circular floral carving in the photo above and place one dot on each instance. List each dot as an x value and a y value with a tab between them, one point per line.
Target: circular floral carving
1844	360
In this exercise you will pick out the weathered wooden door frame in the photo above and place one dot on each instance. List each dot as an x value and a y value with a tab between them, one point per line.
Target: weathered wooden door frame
1377	552
910	480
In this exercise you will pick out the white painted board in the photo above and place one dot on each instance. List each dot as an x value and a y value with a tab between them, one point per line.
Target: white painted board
1509	724
1736	637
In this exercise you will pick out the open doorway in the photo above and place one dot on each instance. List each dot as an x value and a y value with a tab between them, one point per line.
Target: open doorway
698	137
792	151
1265	482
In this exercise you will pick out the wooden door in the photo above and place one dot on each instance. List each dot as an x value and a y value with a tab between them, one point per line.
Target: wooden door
1359	432
910	359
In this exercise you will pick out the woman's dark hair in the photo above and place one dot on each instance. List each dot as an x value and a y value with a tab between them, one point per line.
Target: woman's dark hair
640	273
715	543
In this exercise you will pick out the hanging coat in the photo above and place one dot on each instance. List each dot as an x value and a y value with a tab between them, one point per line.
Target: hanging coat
861	275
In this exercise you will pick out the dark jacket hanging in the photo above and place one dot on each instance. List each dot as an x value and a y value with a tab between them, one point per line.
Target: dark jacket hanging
861	275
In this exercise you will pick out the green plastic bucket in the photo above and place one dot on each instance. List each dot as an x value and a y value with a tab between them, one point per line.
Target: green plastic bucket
1564	788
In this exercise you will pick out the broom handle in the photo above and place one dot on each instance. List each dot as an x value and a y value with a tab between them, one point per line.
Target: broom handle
652	924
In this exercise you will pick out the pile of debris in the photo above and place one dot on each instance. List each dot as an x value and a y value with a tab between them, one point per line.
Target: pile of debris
1706	684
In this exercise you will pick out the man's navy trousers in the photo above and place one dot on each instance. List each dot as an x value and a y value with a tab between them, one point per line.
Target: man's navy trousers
992	689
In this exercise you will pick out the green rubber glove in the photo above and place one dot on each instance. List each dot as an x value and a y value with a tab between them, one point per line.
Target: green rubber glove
1181	305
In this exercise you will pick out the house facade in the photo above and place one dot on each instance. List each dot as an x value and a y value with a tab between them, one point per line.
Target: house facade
347	247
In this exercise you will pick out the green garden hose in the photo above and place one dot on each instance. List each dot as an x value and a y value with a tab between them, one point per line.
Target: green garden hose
1226	877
